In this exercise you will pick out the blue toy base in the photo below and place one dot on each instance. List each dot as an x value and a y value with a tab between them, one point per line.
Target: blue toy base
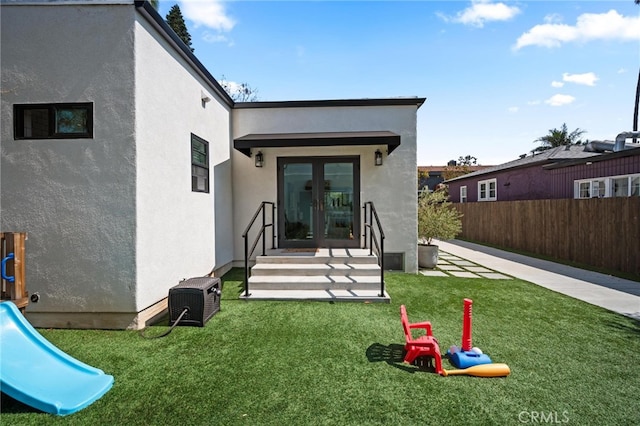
466	359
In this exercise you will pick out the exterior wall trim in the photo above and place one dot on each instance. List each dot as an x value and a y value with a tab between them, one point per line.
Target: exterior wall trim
412	101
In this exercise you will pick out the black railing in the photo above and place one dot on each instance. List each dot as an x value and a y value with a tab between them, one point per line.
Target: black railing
371	240
260	236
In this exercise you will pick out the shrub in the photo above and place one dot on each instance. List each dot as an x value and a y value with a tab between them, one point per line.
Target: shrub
437	218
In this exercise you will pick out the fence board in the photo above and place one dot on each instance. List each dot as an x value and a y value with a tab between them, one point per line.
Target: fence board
16	291
600	232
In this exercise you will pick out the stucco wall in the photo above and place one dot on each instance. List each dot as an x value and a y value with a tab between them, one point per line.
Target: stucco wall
180	233
74	197
392	187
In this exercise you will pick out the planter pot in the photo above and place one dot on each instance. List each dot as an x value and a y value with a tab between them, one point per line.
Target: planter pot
427	256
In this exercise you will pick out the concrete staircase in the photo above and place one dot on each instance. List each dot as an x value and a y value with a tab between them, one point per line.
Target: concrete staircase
327	274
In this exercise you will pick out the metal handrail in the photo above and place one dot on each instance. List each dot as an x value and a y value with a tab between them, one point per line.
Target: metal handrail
261	234
368	224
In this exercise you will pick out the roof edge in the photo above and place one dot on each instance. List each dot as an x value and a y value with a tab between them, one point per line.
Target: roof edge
334	103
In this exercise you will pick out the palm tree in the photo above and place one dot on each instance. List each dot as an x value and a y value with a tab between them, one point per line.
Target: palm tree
559	137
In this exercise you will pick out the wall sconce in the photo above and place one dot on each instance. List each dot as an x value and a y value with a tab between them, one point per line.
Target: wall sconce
378	158
259	159
204	97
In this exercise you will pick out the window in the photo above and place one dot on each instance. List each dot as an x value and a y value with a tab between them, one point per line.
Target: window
621	187
635	186
598	188
487	190
591	189
584	190
463	194
199	164
615	186
53	121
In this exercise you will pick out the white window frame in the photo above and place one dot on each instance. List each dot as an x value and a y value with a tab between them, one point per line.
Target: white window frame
609	186
463	194
484	194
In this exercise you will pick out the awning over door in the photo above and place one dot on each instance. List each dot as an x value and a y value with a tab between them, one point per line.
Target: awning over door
245	143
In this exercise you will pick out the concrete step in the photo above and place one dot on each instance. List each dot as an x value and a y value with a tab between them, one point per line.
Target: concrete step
361	296
326	256
314	282
313	269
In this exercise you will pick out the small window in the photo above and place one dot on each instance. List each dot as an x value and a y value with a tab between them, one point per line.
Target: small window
199	164
598	189
584	190
487	190
621	187
635	186
53	121
463	194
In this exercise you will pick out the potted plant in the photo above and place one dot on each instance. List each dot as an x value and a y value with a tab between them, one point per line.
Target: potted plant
437	218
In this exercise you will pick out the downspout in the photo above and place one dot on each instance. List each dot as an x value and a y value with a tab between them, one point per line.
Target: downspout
619	146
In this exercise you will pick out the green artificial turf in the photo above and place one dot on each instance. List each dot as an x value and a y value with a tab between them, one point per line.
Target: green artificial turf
298	363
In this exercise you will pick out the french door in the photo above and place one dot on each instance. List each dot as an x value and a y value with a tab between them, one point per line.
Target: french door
318	202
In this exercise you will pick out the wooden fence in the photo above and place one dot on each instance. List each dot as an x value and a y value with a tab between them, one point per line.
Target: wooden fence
12	253
600	232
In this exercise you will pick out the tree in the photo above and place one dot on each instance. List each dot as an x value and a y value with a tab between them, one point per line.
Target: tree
239	92
154	3
176	22
462	167
559	137
467	160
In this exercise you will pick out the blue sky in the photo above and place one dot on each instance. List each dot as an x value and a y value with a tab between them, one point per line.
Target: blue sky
496	74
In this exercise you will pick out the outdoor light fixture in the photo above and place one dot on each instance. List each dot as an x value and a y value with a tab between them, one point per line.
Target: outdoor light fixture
204	97
259	159
378	158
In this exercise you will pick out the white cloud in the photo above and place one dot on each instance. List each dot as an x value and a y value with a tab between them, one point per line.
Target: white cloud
589	26
587	79
513	109
533	103
553	18
207	13
557	84
560	100
622	71
215	38
482	11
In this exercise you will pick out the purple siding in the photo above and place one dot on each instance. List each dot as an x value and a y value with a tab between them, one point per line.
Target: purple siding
562	182
537	183
527	183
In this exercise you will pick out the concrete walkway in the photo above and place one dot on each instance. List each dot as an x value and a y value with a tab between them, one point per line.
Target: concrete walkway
612	293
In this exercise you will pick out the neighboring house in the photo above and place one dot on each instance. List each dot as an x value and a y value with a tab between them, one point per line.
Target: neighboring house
435	175
577	171
130	168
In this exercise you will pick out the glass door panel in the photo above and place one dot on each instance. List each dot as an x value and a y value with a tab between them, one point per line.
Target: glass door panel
298	196
318	199
338	205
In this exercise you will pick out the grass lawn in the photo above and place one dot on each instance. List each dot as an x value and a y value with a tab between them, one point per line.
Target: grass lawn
298	363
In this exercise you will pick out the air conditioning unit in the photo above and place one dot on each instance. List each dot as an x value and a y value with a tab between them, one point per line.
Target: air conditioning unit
199	296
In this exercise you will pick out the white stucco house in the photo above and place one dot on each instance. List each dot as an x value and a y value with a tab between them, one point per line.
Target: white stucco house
130	168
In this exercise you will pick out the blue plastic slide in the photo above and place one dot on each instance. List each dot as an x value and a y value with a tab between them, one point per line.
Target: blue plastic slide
38	374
